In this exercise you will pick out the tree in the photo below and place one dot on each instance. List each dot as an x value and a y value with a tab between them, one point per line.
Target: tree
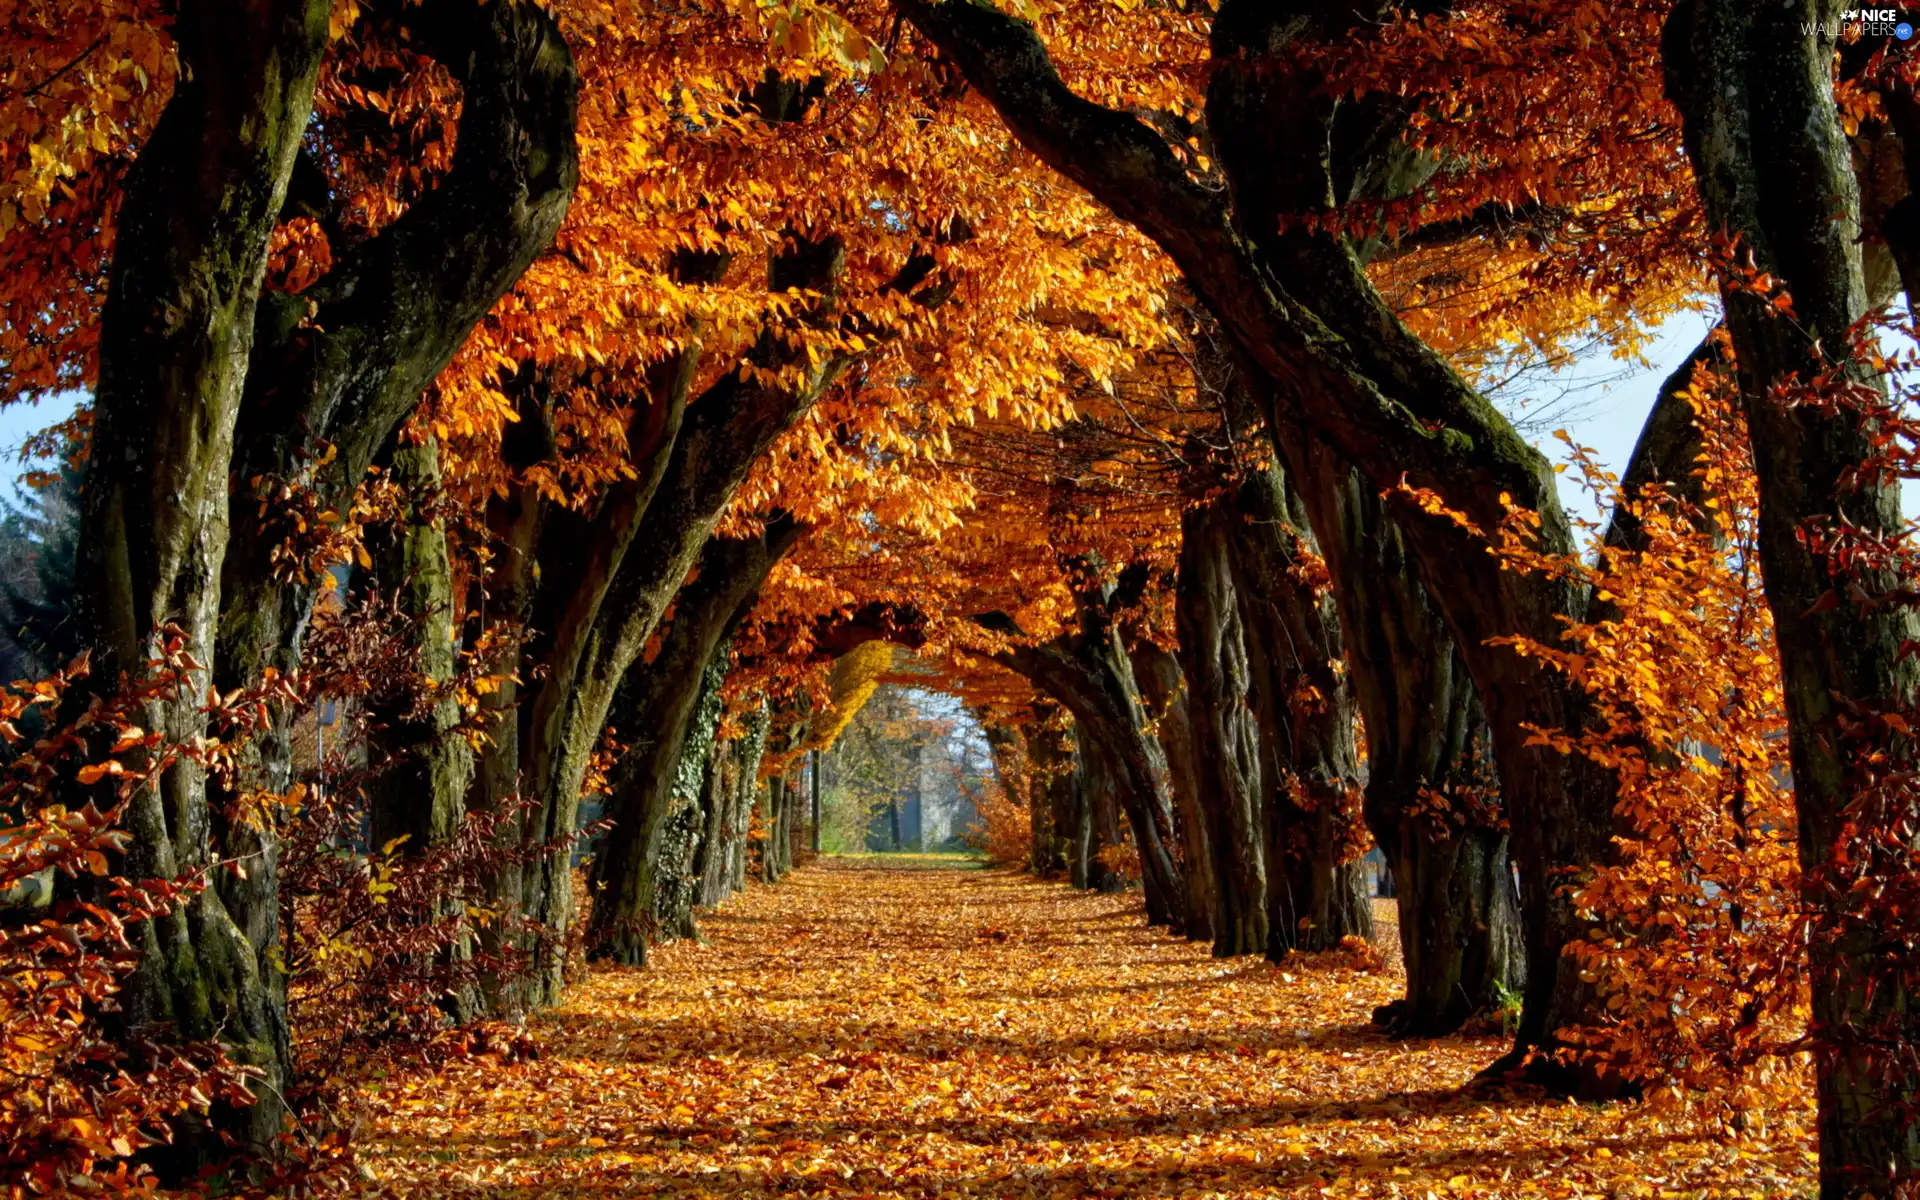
204	371
39	552
661	704
1774	167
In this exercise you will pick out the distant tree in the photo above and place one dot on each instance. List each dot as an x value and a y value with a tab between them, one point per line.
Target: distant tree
39	539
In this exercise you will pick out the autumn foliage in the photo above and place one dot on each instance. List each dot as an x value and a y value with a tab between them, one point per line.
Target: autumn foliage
80	1101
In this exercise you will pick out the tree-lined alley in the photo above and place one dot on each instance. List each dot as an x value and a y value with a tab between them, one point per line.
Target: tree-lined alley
521	440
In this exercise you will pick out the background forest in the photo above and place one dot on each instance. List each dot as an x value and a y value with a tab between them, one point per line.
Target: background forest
540	466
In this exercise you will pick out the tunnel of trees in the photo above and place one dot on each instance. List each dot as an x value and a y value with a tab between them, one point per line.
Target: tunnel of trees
539	469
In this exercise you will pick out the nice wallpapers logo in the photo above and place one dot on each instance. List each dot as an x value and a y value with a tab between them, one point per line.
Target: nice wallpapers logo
1869	22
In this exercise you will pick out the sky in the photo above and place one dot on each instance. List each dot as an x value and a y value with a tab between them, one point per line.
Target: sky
18	422
1602	402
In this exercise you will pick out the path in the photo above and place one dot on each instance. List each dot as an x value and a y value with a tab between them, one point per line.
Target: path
958	1033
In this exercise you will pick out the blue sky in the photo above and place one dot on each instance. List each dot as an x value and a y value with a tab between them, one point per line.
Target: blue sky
1602	402
18	422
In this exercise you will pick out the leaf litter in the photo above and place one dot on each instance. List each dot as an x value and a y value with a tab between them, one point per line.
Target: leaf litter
965	1033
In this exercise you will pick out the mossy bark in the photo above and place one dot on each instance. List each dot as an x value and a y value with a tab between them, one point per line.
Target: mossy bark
334	371
176	336
1303	704
746	789
715	847
421	764
418	791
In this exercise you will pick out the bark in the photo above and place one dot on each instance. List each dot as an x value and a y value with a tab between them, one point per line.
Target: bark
177	332
339	367
1303	704
502	604
1754	85
746	790
783	801
661	701
813	800
1096	824
1163	689
676	847
712	879
1226	742
1335	362
1051	756
417	793
334	371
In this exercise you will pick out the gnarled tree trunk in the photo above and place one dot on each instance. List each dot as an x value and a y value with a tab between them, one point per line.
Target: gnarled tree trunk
1164	690
417	792
176	338
1213	657
746	791
1088	672
1317	892
1432	797
1096	824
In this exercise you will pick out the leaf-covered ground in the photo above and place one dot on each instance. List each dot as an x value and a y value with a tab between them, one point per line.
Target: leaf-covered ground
929	1033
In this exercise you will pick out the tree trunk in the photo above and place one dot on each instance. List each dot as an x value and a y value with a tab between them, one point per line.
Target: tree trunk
715	843
1433	799
1164	689
786	804
417	793
657	778
501	604
1050	757
813	798
746	790
1754	83
1226	742
330	374
1087	671
1309	758
677	845
1097	826
176	336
